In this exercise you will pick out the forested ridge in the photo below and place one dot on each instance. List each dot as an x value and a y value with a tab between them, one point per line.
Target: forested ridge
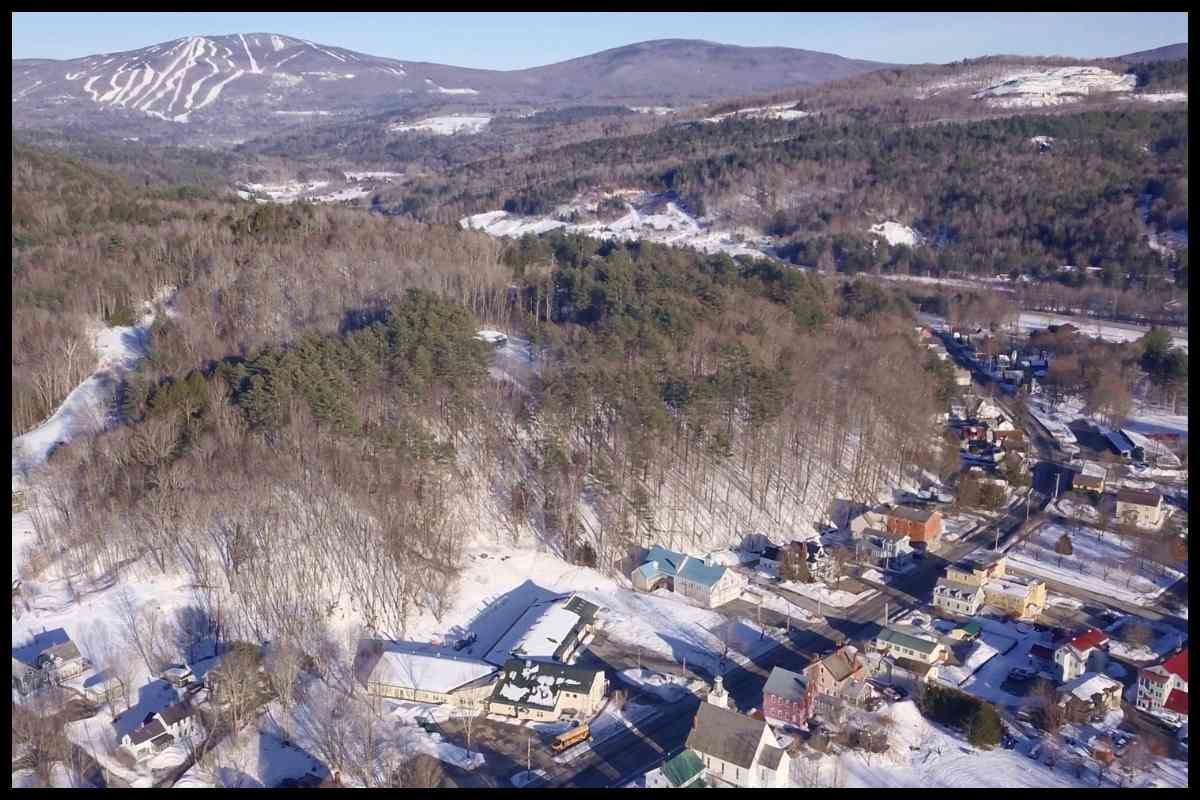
318	396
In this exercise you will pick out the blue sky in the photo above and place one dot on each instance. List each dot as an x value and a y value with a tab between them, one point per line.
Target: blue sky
514	40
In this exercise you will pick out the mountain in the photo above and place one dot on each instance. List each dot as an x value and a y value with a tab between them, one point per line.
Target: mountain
223	89
1170	52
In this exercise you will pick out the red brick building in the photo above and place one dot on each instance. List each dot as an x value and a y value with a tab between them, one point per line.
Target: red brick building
786	698
919	525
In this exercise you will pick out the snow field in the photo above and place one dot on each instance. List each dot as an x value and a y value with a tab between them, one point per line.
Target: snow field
895	234
1033	88
445	126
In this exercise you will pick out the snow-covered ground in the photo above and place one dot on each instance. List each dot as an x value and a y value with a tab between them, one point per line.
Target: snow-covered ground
1165	640
646	218
286	192
1100	563
829	596
1030	321
668	687
655	110
445	126
1036	87
1160	97
779	111
895	233
372	176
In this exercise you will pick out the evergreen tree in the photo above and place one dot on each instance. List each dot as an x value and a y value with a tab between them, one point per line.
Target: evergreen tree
985	729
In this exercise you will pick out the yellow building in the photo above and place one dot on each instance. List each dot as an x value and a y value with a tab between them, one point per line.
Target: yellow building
1024	598
546	690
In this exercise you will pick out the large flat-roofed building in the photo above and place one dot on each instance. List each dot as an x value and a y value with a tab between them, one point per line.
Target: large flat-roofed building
430	675
546	690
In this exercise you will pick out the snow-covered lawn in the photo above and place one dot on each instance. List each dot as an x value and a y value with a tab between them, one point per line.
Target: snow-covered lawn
1100	563
1165	640
955	526
668	687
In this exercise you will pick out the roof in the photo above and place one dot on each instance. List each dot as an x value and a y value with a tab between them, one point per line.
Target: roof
545	630
1139	497
911	514
538	683
1088	684
1178	664
67	651
696	571
971	629
1177	701
840	664
786	684
1089	639
431	670
144	733
1014	587
918	668
1119	441
726	735
956	589
893	636
666	562
885	534
683	768
770	757
176	712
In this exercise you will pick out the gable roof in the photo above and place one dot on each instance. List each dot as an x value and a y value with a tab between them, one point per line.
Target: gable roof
666	562
786	684
429	669
1178	664
726	735
537	683
918	668
67	651
1088	684
684	768
1139	497
841	665
176	712
1089	639
770	757
144	733
893	636
911	514
1177	701
696	571
956	589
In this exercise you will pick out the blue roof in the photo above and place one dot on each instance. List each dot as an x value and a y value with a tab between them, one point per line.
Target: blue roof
661	561
668	560
697	571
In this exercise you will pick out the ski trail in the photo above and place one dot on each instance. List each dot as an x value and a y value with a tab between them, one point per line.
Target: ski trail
194	48
326	52
87	87
215	91
277	43
187	104
137	90
150	97
253	64
115	90
289	58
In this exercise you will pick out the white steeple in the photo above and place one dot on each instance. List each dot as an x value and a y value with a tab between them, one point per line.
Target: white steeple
718	696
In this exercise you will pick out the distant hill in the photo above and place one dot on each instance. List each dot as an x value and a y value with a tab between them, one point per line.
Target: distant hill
222	89
1170	52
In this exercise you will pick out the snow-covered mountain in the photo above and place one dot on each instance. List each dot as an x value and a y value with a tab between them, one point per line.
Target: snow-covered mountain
228	88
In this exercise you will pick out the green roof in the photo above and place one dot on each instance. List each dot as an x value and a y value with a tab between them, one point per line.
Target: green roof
971	629
683	769
905	640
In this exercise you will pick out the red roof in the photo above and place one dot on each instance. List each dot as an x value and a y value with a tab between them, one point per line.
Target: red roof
1177	664
1177	701
1089	639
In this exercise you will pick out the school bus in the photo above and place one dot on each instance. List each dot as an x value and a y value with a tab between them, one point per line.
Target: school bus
582	733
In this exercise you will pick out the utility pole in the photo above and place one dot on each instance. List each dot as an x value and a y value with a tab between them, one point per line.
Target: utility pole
528	752
761	632
1057	475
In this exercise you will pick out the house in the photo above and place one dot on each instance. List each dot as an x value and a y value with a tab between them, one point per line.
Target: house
1141	508
105	687
899	644
1090	694
685	770
968	632
737	750
962	377
1164	687
431	675
552	631
62	661
957	598
709	585
1084	653
161	729
26	679
841	675
177	676
546	690
1025	599
1089	478
987	411
786	698
889	548
872	518
920	525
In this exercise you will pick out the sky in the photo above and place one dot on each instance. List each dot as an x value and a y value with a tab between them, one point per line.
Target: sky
497	40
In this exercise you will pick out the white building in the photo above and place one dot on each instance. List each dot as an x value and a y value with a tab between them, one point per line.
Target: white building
1084	653
161	729
1142	508
709	585
431	675
545	691
737	750
957	598
899	644
1164	687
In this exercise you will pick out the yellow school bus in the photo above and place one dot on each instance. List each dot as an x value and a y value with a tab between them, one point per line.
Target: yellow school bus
571	738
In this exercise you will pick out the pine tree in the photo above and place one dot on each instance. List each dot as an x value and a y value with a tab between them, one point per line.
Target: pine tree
985	729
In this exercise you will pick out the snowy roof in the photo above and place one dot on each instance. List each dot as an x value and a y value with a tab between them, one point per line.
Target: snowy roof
696	571
911	514
1092	469
144	733
1092	637
538	683
1088	684
954	589
431	671
786	684
545	630
491	337
1012	587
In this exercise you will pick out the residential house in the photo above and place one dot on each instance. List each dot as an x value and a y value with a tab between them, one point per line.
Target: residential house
737	750
1090	694
962	377
1084	653
546	690
161	729
872	518
1164	687
839	676
709	585
1089	478
26	679
920	525
552	631
62	661
685	770
786	698
1140	507
900	644
1023	598
967	632
105	687
431	675
888	547
956	597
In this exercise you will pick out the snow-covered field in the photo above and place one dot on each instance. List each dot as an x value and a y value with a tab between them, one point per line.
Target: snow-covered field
286	192
779	111
1165	640
895	233
445	126
1030	321
1033	88
646	218
833	598
1160	97
372	176
1100	563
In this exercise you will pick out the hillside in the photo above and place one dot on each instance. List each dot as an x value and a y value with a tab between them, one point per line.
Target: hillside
1170	52
218	90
